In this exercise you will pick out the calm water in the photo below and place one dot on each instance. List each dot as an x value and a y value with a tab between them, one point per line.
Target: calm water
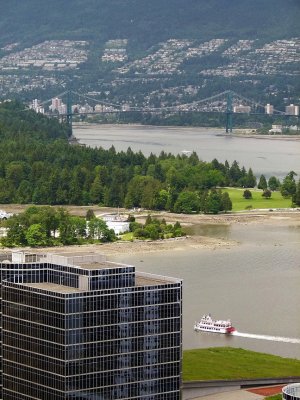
264	156
256	283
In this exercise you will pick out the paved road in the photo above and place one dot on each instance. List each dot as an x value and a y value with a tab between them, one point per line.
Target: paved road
232	395
258	393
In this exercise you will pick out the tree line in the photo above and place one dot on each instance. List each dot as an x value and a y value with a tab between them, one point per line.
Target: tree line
48	226
40	226
39	166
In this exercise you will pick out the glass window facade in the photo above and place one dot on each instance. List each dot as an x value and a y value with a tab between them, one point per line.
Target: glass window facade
119	337
291	392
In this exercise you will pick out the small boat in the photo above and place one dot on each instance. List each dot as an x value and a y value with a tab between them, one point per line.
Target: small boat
207	324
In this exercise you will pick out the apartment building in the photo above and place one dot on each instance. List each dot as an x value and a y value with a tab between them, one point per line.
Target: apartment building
80	327
292	110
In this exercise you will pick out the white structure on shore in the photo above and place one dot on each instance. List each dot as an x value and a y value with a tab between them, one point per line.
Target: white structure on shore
116	222
276	129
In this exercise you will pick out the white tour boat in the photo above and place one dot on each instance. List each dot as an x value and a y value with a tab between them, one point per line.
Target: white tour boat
207	324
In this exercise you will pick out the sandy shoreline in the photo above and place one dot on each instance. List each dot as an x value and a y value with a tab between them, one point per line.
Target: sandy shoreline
263	217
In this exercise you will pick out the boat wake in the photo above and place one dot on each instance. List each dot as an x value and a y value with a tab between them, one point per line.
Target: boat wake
266	337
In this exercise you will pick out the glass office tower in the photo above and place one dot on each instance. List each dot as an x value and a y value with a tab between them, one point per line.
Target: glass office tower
85	328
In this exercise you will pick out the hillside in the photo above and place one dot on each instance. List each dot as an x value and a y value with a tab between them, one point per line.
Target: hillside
150	54
147	23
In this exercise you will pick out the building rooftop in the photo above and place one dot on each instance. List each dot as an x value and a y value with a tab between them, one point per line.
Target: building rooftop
91	261
99	265
148	281
53	287
141	280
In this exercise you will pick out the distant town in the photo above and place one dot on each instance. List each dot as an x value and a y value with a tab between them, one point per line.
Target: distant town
59	107
175	71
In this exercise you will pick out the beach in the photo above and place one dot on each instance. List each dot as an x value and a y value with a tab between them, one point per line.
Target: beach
273	219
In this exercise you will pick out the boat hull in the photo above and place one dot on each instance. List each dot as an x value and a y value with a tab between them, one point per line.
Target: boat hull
211	329
207	324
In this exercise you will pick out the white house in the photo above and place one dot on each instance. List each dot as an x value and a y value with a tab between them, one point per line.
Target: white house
116	222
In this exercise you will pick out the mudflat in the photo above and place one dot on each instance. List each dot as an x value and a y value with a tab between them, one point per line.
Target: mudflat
264	217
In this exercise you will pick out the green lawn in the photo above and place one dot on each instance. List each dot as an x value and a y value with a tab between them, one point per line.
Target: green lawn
275	397
127	236
257	201
232	363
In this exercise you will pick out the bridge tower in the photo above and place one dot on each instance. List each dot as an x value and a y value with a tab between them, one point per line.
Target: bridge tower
229	112
69	113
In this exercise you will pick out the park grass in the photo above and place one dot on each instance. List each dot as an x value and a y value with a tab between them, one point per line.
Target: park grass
233	363
128	236
275	397
257	201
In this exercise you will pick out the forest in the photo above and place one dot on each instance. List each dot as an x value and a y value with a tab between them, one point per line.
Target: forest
146	24
39	166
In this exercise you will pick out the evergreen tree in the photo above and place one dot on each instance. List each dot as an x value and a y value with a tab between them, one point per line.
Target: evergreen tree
273	183
226	203
262	184
251	179
288	187
213	202
187	203
296	196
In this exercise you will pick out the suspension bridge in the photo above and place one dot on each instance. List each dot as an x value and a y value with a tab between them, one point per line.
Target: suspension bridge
227	102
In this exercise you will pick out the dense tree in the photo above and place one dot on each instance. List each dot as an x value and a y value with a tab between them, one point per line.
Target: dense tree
97	229
273	183
187	203
36	236
156	229
47	226
213	202
267	194
226	203
96	191
142	192
161	200
251	179
234	174
296	195
262	184
24	192
37	165
16	233
90	215
247	194
288	187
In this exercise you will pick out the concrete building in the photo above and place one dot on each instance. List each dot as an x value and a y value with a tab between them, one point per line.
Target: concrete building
35	105
292	110
55	104
80	327
269	109
242	109
276	129
116	222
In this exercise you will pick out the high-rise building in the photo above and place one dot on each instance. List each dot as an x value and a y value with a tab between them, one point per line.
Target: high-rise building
55	104
37	107
269	109
292	110
80	327
242	109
